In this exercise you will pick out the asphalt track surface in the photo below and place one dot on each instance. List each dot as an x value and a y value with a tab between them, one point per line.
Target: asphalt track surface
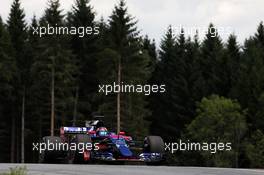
60	169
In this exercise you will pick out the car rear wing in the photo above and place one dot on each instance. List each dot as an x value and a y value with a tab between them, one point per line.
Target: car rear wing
75	130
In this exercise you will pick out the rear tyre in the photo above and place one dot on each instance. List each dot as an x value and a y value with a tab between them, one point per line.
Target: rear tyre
49	156
77	156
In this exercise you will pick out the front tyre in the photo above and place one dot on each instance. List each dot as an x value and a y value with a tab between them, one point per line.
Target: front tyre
154	144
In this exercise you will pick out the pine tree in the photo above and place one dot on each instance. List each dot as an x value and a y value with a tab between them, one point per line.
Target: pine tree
249	92
251	82
232	65
84	48
211	63
150	47
33	122
193	69
8	64
178	70
161	104
18	32
129	64
259	36
7	77
54	72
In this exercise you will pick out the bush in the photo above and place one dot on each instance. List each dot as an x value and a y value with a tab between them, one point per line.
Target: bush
219	120
255	150
16	171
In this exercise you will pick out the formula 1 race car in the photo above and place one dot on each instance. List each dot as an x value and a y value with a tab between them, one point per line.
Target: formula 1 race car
95	143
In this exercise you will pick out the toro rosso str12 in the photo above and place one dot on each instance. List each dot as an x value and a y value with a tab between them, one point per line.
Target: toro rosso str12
95	143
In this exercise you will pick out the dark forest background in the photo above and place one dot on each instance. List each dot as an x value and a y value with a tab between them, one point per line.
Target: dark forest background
214	89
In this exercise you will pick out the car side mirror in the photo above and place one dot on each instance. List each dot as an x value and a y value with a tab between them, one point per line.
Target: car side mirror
122	133
92	132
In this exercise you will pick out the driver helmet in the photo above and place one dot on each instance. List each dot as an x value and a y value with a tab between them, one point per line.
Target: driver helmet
101	131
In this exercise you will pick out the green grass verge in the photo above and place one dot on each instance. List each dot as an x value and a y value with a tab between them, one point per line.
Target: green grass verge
16	171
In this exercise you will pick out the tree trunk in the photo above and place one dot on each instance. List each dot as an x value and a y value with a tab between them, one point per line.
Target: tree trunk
118	95
13	140
75	106
238	136
40	128
23	127
39	132
18	139
52	100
